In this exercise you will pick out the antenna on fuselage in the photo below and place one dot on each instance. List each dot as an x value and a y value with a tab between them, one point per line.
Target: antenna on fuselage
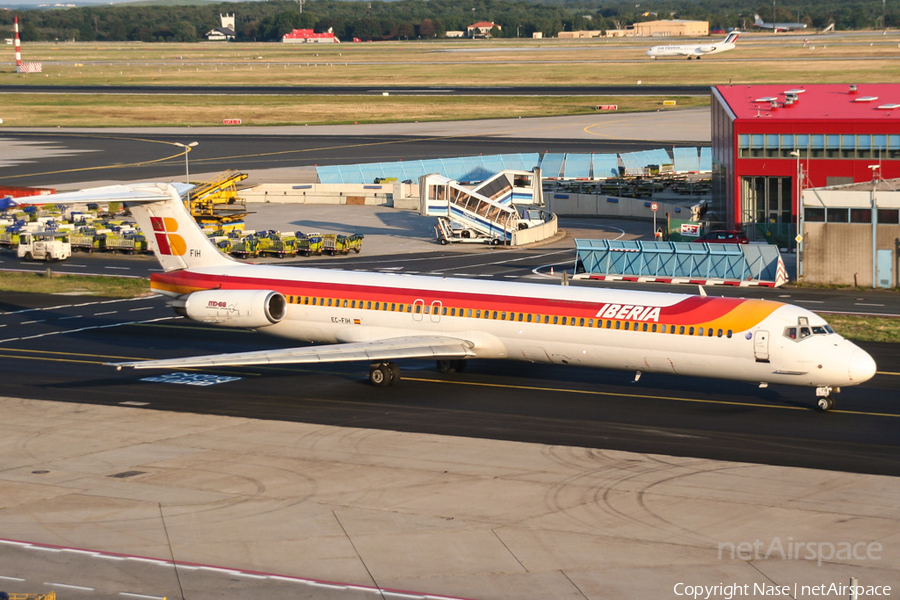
702	291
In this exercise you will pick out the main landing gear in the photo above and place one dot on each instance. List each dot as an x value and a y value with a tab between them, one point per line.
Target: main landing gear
451	366
384	374
825	402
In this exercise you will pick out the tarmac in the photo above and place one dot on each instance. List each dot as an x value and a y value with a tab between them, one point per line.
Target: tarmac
438	515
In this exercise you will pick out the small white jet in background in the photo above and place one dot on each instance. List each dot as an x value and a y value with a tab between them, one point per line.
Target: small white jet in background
695	50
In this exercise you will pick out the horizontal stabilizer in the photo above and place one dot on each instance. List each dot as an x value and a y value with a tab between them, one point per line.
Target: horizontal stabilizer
377	350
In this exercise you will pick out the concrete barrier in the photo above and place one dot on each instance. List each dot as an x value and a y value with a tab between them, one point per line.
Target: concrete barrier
398	195
591	205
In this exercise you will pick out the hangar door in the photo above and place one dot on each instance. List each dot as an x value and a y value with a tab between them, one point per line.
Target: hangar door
767	206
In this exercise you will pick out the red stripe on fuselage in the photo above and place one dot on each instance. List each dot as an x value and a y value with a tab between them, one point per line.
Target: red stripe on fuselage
694	310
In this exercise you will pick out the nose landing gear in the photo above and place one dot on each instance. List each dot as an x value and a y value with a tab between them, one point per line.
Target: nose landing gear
825	402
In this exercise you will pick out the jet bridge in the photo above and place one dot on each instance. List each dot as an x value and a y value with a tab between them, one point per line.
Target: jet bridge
680	262
486	212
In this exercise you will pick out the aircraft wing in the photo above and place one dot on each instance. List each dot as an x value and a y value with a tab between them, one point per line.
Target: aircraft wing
376	350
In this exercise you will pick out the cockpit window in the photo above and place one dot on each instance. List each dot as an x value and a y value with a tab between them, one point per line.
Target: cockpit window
804	330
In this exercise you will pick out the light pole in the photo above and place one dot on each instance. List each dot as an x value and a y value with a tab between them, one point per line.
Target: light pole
187	148
874	225
799	188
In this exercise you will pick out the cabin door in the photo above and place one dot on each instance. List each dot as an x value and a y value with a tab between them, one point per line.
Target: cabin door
761	346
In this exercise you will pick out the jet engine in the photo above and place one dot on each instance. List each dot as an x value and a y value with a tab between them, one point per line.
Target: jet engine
233	308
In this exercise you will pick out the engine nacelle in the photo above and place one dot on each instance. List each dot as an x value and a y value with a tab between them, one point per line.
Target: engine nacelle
233	308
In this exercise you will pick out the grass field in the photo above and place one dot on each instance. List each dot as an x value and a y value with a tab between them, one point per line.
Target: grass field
787	59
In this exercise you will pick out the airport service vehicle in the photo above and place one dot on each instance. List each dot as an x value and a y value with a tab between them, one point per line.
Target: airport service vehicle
44	246
382	317
723	237
697	50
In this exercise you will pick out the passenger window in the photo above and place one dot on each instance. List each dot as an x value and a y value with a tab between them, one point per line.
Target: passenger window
681	330
529	317
581	322
719	333
495	314
477	314
653	328
609	324
502	316
565	320
627	325
662	328
590	322
555	319
618	324
691	331
700	331
728	335
645	327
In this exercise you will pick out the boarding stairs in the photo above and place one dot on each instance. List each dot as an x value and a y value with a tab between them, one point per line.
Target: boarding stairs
484	211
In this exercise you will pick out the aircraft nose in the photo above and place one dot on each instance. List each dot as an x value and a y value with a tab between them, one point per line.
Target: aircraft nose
862	366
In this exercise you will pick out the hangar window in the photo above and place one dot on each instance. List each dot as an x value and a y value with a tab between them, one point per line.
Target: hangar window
757	140
864	146
814	215
848	146
832	145
837	215
772	145
893	146
889	215
860	215
816	145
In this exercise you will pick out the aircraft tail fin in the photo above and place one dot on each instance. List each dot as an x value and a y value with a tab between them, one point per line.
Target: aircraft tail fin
757	20
732	37
172	234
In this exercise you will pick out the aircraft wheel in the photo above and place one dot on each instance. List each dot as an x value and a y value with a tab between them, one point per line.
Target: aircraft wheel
395	373
380	375
443	241
446	366
825	403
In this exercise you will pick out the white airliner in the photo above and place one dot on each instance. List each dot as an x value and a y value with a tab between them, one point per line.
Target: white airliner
381	317
695	50
758	22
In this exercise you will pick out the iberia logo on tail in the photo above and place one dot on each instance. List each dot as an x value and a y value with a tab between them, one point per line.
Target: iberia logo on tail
169	242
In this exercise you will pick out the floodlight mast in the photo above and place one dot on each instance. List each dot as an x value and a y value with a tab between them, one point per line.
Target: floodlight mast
875	174
187	149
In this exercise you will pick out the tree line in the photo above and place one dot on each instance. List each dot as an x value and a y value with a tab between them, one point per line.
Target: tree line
418	19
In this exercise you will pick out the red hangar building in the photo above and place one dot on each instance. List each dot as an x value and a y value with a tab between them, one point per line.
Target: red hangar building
763	136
